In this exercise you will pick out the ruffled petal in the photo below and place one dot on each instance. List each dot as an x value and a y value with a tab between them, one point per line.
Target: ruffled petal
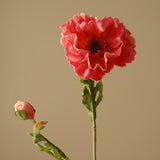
89	29
110	66
83	70
87	18
77	19
97	74
127	52
65	29
104	23
69	42
74	59
116	50
93	62
114	34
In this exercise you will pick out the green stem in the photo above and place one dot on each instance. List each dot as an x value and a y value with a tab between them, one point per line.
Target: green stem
91	86
94	137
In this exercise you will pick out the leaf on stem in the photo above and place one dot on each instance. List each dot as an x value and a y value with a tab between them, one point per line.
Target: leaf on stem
91	95
47	146
99	90
86	100
84	81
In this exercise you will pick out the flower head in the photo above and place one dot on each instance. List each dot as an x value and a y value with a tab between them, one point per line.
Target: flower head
93	46
28	110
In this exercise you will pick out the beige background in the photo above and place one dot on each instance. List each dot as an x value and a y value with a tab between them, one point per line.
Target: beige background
34	68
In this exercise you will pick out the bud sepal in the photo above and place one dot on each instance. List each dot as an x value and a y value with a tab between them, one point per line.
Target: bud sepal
22	115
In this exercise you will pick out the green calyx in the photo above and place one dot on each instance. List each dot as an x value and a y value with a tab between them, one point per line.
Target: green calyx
22	115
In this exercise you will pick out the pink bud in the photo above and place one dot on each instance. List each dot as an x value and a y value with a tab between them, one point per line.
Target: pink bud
28	108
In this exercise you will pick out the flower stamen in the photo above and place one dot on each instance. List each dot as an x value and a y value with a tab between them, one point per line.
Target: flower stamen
94	47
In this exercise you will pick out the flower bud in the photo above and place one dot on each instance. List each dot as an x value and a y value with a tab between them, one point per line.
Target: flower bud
24	110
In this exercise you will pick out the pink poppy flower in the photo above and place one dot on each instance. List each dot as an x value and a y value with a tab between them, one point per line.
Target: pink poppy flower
24	106
93	46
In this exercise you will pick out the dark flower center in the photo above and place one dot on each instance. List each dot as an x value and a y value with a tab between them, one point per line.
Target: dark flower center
94	46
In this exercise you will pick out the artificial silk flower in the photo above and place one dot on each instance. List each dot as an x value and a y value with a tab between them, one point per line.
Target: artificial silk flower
93	46
26	107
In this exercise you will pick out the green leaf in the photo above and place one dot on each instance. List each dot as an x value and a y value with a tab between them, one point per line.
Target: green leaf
84	81
86	98
99	91
31	134
47	146
92	95
37	131
55	150
38	138
51	149
22	115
